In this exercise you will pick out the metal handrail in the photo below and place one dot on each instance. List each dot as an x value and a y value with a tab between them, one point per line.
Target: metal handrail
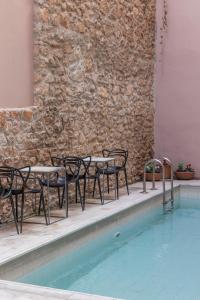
154	162
151	161
172	177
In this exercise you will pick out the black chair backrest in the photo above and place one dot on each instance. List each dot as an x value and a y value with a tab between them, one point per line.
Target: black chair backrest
85	161
72	166
57	161
6	181
120	155
20	177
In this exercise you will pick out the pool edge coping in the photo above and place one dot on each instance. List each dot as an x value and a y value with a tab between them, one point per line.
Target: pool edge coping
35	291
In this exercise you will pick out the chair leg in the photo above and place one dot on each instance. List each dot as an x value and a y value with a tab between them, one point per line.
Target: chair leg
40	203
44	208
84	192
14	213
117	181
63	194
22	212
67	200
59	203
100	193
81	199
94	187
126	179
16	202
108	186
76	191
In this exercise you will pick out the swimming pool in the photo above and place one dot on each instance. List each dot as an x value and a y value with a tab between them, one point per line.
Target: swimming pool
150	256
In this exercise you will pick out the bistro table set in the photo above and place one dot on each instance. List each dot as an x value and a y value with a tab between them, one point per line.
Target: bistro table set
16	184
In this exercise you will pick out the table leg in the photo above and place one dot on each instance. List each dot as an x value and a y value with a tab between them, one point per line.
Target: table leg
103	195
48	198
66	198
115	182
35	196
33	200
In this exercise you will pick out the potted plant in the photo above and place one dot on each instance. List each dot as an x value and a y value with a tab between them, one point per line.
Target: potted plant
149	173
184	172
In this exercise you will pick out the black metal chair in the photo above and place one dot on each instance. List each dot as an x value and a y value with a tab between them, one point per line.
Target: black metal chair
92	176
34	186
18	189
72	167
22	187
73	171
86	175
83	174
121	157
58	162
6	183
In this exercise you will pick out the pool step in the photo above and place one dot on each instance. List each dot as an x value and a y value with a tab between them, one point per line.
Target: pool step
168	206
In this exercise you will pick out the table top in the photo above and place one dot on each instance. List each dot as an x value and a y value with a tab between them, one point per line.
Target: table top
43	169
99	159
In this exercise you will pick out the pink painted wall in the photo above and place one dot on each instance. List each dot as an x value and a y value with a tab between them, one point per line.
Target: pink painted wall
177	124
16	53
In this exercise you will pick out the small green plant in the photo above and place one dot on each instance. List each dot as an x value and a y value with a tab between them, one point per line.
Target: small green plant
149	169
182	167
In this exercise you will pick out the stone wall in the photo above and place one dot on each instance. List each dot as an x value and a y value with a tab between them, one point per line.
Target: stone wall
93	78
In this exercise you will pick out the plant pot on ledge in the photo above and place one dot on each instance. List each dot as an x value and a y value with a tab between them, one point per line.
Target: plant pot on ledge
149	176
184	172
152	170
184	175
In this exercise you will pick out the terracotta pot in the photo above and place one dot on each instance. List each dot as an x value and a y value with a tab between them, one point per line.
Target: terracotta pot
184	175
149	176
167	171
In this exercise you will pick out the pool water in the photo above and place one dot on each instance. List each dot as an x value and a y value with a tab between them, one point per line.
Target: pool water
152	256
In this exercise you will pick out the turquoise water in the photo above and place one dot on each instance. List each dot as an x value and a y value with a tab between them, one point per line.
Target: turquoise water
156	256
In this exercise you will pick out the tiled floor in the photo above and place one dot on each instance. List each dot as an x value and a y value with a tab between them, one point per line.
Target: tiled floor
13	245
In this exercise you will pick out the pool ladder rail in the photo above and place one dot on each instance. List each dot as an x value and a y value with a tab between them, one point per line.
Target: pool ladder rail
159	162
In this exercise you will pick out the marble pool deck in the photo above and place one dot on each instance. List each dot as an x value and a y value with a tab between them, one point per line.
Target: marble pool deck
36	235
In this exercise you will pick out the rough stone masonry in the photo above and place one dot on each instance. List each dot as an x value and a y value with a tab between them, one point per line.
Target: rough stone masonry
93	84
